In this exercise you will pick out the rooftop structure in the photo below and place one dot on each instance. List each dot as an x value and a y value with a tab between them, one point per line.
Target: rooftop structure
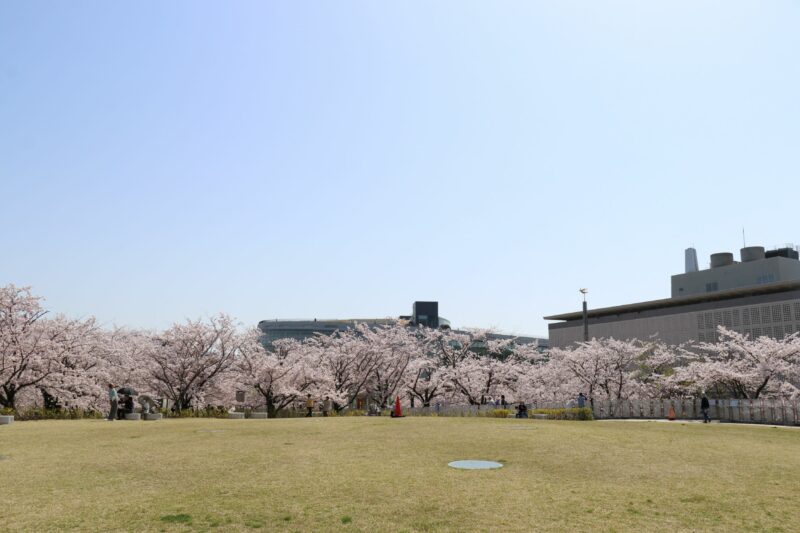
423	313
759	295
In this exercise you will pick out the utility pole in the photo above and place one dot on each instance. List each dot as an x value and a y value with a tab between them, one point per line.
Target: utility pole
585	316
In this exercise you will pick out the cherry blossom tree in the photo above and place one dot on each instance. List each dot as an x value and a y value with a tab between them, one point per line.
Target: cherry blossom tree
348	362
280	375
55	357
603	367
396	346
188	358
23	351
741	367
425	379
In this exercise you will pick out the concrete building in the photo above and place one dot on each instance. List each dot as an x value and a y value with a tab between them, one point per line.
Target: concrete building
423	313
758	296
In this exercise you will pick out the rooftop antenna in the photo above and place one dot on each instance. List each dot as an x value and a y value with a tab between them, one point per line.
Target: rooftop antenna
744	242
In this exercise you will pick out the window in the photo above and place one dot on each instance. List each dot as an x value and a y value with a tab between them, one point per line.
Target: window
736	320
711	287
727	319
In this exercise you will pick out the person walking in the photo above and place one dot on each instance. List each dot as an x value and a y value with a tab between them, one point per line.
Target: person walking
309	406
705	405
113	399
326	406
581	401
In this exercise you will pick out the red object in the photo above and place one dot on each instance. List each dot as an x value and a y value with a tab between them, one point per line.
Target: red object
671	414
398	412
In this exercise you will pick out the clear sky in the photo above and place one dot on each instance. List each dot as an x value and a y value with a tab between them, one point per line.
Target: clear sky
167	160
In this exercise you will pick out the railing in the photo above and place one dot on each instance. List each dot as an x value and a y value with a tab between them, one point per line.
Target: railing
762	411
772	411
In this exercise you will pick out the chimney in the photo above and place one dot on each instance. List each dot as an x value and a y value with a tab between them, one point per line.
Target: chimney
691	260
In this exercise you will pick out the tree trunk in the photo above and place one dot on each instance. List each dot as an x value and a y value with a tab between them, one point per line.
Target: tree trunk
7	397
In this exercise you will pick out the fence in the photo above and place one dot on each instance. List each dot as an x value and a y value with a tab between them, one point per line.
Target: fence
776	412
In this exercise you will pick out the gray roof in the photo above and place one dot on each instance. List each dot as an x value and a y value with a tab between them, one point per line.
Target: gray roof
766	288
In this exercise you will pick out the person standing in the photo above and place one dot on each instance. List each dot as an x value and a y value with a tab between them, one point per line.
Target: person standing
326	406
503	402
309	406
581	401
705	405
112	399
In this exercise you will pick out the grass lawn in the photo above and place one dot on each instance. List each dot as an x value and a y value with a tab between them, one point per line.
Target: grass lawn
378	474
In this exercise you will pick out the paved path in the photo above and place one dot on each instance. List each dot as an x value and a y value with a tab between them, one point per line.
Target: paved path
681	421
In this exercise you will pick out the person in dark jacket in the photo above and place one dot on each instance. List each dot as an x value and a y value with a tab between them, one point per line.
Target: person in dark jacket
705	406
129	407
581	400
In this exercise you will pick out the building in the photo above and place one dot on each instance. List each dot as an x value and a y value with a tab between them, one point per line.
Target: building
757	296
423	313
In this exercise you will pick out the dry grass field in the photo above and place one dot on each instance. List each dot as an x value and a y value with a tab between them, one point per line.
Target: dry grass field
378	474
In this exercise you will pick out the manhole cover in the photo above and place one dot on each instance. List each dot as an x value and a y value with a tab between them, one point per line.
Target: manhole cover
474	465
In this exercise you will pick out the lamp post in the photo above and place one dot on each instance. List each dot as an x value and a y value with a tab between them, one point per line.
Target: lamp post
585	316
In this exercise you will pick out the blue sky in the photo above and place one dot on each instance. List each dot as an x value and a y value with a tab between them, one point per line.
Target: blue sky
160	161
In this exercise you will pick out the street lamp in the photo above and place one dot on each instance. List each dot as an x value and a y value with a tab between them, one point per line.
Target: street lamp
585	316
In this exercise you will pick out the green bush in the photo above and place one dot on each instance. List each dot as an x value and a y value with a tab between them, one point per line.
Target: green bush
500	413
208	412
40	413
5	411
572	413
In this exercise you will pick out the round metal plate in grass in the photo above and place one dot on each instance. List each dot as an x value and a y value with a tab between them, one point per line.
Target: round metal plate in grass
472	464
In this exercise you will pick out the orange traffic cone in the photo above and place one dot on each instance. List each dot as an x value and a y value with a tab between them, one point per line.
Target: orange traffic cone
398	412
671	414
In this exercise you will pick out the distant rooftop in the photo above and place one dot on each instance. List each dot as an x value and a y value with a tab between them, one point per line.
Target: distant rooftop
674	302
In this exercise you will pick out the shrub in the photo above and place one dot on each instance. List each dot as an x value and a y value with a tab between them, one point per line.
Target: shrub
208	412
40	413
500	413
571	413
352	412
